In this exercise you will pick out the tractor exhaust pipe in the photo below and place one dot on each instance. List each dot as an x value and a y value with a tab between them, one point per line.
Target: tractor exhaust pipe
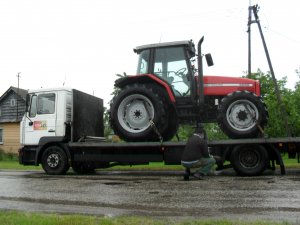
200	75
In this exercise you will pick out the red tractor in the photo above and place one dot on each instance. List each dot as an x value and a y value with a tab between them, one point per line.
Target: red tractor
167	92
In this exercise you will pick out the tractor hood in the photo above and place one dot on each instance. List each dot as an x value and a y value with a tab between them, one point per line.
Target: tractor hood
220	85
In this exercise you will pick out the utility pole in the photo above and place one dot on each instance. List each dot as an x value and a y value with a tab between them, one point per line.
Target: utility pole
18	96
249	40
255	9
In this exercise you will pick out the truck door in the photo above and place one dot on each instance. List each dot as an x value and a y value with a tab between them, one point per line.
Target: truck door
41	118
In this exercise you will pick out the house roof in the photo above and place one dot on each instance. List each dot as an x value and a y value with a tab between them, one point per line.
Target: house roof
21	92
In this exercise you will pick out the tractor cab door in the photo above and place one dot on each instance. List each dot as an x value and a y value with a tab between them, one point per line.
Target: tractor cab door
171	64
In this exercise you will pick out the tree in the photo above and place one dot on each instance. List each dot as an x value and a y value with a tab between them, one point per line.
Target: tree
290	99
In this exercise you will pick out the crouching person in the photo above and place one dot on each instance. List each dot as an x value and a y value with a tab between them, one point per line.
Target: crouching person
196	156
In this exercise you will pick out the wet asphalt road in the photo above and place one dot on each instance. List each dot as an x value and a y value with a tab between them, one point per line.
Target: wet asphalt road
157	194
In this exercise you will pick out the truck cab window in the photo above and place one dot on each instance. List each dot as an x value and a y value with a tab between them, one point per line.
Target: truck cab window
46	104
32	111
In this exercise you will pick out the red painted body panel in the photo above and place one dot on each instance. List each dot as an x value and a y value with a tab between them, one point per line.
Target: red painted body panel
221	86
213	85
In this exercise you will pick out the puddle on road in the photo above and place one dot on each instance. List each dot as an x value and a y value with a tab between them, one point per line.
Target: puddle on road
254	178
50	179
113	183
295	179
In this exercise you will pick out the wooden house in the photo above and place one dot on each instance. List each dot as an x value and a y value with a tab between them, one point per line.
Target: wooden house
12	109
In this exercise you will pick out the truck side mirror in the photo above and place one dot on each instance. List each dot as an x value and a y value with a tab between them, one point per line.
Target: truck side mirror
209	60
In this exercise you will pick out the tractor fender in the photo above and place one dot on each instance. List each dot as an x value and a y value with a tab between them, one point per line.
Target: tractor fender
146	78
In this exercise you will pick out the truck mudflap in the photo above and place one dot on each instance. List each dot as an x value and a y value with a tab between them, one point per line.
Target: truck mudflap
27	155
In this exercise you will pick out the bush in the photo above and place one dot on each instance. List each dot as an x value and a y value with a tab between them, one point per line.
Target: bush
7	156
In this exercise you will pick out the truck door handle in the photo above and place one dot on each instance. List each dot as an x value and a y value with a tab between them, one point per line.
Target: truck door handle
51	130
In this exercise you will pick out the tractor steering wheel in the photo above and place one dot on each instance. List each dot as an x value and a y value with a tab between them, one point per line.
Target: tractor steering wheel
180	72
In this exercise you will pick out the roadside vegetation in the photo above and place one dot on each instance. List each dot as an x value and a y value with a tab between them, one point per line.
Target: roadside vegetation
19	218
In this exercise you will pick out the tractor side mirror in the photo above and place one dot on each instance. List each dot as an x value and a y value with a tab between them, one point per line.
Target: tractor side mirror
209	60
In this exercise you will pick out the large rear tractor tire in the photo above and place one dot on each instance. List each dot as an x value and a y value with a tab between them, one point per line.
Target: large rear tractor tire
134	107
242	114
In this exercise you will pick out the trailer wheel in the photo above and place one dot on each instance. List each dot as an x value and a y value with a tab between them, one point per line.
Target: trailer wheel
55	161
240	114
83	168
249	160
132	110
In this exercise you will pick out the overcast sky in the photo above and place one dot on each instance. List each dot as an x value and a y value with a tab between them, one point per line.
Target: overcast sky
84	43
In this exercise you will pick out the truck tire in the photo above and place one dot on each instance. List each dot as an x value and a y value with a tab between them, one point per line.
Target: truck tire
130	109
249	160
240	113
55	161
83	168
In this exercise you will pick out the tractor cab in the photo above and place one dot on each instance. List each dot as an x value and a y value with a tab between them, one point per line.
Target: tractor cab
170	62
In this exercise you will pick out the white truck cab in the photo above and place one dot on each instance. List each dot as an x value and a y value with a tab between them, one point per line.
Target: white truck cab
47	113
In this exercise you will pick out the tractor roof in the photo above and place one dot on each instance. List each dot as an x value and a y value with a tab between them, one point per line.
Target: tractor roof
165	44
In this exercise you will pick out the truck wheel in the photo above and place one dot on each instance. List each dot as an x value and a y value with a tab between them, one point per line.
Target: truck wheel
240	113
55	161
133	108
83	168
249	160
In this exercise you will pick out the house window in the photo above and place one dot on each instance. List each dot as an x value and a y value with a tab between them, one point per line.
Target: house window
13	102
1	136
0	112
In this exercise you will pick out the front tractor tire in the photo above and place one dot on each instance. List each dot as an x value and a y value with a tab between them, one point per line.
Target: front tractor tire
134	108
242	114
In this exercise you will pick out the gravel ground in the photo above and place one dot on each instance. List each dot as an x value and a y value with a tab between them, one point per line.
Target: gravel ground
157	194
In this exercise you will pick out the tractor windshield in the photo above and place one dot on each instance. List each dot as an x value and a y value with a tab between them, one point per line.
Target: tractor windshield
170	64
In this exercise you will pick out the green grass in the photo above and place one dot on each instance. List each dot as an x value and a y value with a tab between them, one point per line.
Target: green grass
20	218
290	163
14	165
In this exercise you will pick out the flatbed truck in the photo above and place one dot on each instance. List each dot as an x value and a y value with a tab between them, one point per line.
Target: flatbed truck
64	127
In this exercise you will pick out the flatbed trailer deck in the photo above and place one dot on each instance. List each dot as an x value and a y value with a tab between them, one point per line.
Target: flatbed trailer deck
170	152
